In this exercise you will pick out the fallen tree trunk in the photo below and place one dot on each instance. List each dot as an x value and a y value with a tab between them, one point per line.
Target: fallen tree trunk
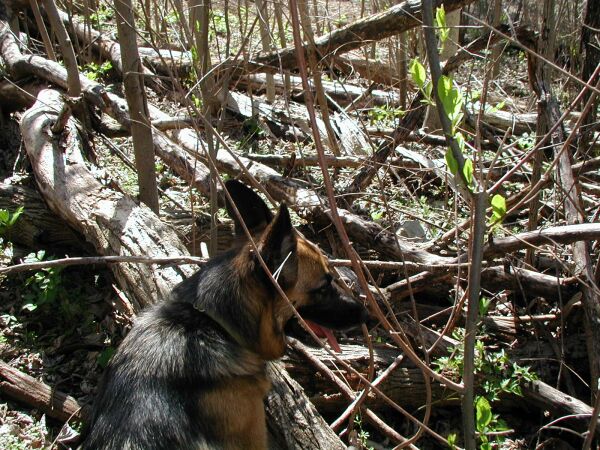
395	20
343	93
26	389
114	224
37	227
406	386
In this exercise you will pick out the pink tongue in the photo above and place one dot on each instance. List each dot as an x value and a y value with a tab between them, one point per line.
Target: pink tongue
326	333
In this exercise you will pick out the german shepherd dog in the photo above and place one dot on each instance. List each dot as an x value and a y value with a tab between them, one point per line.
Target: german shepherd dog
191	372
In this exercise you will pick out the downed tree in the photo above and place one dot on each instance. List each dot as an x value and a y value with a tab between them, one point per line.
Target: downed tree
26	389
37	227
395	20
115	224
406	385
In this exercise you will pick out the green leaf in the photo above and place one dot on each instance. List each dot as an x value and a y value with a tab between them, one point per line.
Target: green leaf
444	89
460	140
105	356
440	17
377	215
483	413
451	162
440	22
484	306
499	205
417	73
498	209
468	172
14	216
451	439
29	307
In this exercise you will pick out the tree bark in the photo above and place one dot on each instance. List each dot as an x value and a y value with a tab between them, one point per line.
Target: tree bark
37	227
66	48
133	82
26	389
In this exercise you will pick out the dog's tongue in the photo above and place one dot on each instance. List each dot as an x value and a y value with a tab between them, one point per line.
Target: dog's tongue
326	333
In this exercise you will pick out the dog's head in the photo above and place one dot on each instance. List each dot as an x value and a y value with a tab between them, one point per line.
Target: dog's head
300	268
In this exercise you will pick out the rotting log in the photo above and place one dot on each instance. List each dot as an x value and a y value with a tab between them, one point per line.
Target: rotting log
343	93
37	227
405	384
112	222
115	224
395	20
287	401
26	389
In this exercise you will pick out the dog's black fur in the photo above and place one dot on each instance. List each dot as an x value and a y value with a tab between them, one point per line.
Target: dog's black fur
191	373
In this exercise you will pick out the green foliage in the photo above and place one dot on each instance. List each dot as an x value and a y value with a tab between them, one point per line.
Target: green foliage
8	220
105	356
46	295
219	26
97	72
172	18
252	132
499	375
440	23
486	422
384	115
43	286
451	439
468	173
103	14
526	141
363	435
377	215
451	162
417	73
498	209
452	101
484	306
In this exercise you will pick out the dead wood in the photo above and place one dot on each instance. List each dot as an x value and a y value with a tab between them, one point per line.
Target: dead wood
567	234
522	282
373	70
293	421
415	115
574	215
37	227
289	117
529	283
405	384
342	93
26	389
395	20
114	224
168	62
21	67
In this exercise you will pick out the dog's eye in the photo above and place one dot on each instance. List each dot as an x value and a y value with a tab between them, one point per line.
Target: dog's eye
325	285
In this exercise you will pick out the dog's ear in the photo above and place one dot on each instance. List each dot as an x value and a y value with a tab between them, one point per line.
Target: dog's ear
252	208
277	247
